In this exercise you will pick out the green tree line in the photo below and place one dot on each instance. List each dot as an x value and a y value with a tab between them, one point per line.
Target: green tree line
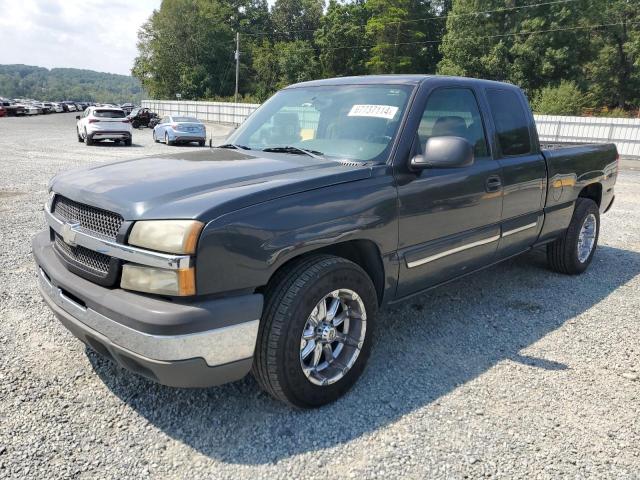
25	81
568	55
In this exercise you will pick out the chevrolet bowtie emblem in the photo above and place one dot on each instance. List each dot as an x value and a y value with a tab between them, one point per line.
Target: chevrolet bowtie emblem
69	233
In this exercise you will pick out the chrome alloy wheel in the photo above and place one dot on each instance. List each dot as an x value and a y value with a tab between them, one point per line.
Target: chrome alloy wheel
333	336
587	237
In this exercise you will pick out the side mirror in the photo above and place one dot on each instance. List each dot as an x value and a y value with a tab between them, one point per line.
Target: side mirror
444	152
77	117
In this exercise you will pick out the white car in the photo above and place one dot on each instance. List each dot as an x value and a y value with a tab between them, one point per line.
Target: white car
30	109
99	123
57	107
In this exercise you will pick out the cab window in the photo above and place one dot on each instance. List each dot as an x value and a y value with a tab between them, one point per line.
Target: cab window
453	112
511	122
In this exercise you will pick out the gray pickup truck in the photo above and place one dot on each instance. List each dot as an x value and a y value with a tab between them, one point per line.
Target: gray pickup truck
273	252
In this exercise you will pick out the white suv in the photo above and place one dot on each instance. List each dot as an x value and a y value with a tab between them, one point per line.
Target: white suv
100	123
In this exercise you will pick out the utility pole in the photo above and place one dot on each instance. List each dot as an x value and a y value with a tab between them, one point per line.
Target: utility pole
237	63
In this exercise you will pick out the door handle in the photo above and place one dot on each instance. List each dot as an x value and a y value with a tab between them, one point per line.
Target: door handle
493	184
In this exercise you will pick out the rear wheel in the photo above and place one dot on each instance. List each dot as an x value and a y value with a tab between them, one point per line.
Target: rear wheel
316	331
80	139
166	139
87	139
201	143
572	253
127	142
154	136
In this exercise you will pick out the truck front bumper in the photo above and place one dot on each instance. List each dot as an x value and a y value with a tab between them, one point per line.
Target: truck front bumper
198	344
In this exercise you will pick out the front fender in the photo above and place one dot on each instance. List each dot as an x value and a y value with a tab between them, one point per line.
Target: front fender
242	250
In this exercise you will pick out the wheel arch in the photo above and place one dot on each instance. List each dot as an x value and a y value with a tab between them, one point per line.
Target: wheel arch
592	191
364	253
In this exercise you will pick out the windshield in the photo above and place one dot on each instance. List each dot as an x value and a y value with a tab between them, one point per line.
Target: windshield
354	122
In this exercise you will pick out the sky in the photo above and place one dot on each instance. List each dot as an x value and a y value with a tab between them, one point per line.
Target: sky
96	35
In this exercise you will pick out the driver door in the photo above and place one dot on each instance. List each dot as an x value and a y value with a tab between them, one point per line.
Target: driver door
449	217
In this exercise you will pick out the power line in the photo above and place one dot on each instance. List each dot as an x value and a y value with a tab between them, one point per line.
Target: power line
415	20
531	32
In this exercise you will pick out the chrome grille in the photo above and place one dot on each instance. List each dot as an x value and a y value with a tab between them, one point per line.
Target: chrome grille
97	263
92	220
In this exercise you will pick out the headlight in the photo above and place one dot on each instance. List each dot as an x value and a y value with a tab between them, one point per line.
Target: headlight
158	280
171	236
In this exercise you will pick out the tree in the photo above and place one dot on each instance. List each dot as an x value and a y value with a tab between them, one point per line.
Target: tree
192	61
565	99
281	64
614	72
531	47
339	39
296	19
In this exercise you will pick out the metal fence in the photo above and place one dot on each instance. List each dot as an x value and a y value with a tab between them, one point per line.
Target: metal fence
624	132
215	112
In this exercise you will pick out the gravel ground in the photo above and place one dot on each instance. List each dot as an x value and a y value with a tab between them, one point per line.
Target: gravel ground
515	372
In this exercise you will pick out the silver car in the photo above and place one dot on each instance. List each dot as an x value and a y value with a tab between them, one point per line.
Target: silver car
177	129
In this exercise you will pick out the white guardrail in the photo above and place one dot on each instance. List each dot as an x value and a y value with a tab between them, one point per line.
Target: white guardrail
624	132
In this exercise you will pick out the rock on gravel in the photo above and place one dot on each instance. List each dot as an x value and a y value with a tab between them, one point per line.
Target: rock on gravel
514	372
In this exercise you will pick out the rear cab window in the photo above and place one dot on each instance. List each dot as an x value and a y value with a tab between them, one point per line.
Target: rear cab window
109	113
511	122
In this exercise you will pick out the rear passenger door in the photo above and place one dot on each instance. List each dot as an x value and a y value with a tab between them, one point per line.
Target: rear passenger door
449	218
523	169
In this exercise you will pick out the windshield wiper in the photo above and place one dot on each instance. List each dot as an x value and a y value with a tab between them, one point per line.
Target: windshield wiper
234	145
292	149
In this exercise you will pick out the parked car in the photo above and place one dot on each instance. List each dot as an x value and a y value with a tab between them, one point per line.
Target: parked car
3	112
178	129
12	109
47	107
155	120
32	109
273	252
140	117
57	107
98	123
127	107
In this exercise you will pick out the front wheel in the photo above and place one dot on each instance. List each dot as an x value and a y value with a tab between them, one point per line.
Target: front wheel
316	331
573	251
166	139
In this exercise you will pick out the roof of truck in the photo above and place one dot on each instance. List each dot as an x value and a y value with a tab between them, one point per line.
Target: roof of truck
391	80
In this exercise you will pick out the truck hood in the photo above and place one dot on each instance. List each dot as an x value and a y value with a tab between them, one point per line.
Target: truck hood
202	185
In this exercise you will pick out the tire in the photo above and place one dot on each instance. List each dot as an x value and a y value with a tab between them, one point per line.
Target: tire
128	142
166	140
154	136
201	143
563	255
290	302
87	139
80	139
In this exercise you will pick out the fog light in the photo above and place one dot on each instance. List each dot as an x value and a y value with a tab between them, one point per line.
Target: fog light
158	280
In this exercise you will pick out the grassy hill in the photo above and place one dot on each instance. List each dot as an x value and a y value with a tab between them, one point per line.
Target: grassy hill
26	81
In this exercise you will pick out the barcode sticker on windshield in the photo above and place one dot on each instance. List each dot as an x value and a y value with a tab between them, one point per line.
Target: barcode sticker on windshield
378	111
